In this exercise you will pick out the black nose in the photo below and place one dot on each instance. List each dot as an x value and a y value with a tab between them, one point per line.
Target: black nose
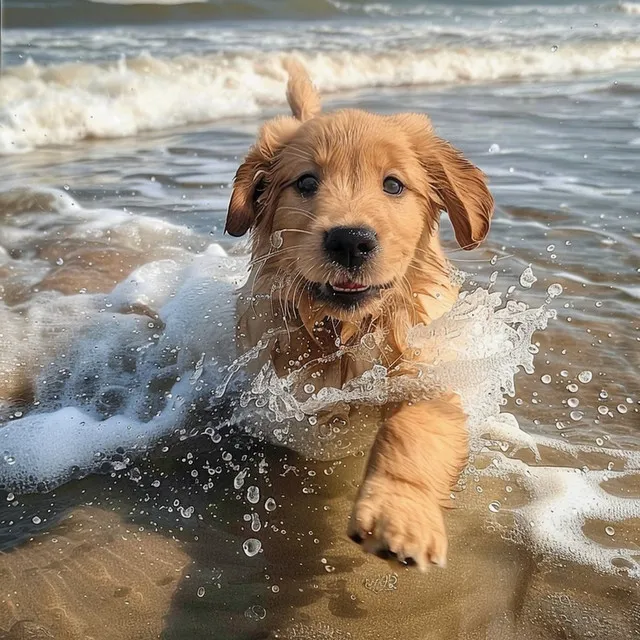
350	246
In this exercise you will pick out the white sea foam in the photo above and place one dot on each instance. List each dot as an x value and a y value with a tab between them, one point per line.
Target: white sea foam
65	103
632	8
562	501
99	398
402	10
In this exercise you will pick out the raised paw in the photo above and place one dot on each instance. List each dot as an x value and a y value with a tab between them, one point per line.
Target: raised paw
394	519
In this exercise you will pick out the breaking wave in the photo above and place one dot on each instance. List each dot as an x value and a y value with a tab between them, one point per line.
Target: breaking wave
61	104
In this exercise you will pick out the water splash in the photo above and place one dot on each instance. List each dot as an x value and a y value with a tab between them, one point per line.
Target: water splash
476	349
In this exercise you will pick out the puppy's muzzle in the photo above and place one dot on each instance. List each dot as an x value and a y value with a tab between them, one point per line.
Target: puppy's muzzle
350	247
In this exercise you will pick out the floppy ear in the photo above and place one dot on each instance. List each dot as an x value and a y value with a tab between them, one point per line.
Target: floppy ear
253	175
460	187
247	186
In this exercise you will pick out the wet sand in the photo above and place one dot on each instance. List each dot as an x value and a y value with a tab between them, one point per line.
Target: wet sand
114	558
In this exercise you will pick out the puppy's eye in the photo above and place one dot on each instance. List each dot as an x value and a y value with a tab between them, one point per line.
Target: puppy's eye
392	186
307	185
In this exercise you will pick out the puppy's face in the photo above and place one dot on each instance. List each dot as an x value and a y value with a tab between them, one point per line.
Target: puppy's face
351	207
344	207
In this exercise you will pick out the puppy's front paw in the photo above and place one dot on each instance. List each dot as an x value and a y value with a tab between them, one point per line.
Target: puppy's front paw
394	518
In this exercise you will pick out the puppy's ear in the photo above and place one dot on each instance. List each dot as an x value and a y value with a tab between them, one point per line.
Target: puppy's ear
302	96
253	175
459	186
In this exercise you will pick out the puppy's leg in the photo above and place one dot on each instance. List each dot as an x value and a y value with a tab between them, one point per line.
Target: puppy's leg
415	461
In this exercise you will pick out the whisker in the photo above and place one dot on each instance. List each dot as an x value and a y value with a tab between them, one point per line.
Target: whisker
297	210
271	254
484	259
298	231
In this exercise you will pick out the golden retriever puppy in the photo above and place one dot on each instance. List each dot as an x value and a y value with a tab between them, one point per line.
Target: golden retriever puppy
344	211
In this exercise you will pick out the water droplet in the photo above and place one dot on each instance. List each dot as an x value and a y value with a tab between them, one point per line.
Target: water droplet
309	388
585	376
576	415
546	378
275	588
493	260
251	546
573	388
256	525
599	441
36	520
609	531
604	394
200	592
551	247
573	402
270	504
508	489
527	279
493	277
621	408
256	612
554	290
10	497
186	513
603	410
8	458
253	494
494	506
276	239
494	148
66	187
554	48
238	481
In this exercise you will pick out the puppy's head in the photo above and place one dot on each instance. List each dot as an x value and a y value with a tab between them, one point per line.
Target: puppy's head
345	206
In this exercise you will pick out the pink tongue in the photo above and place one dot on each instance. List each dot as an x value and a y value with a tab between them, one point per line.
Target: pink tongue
348	285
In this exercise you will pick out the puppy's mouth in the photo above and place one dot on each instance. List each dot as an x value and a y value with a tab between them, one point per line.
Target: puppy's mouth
346	286
346	293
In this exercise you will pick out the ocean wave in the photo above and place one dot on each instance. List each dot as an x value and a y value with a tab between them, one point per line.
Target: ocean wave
420	9
61	104
632	8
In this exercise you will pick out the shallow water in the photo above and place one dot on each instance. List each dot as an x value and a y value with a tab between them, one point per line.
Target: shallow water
162	545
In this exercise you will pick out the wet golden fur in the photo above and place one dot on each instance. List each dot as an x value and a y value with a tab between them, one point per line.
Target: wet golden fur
421	447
